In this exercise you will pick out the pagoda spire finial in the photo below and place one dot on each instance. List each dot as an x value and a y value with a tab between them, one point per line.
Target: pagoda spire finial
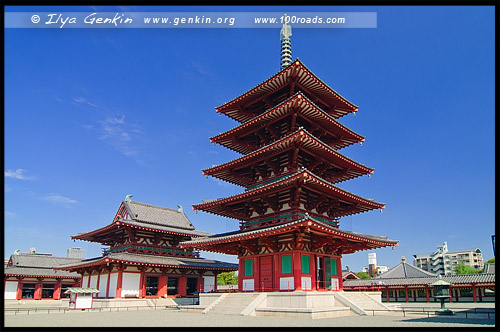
286	45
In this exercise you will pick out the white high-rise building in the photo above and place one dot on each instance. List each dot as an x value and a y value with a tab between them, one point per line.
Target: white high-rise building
373	269
74	252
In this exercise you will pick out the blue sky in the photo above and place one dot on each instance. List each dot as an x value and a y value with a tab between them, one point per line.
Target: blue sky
92	115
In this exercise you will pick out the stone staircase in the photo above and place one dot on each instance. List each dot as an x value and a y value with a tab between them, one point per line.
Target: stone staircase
161	302
233	303
361	302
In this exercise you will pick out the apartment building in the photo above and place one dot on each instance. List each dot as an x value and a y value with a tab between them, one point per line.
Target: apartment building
443	261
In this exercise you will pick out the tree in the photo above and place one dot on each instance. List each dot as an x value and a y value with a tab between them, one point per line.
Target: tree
362	275
491	260
227	278
464	269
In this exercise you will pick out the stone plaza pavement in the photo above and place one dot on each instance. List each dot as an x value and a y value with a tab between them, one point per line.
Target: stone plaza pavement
172	318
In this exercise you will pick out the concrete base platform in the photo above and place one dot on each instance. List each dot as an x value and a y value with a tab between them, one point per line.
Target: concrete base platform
297	304
311	313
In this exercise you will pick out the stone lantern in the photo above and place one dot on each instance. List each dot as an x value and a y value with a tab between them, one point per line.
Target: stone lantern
441	292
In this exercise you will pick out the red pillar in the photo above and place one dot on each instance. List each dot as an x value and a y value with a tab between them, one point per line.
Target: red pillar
107	283
451	296
312	269
119	283
142	287
339	274
19	292
201	284
406	293
182	285
162	286
38	291
427	293
241	273
256	274
387	294
88	280
474	295
97	284
57	290
215	281
276	272
297	270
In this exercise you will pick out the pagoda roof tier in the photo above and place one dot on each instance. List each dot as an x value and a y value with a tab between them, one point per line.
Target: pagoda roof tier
296	75
151	260
311	115
338	201
105	235
274	157
348	242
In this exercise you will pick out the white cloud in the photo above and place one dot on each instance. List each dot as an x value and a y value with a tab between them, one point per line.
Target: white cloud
198	67
121	135
18	174
81	100
58	199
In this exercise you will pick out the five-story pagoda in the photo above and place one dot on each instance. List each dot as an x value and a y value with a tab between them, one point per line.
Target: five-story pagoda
289	236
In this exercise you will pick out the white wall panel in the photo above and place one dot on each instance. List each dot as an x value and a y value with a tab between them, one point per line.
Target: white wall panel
286	283
10	290
85	280
130	284
208	283
306	283
103	283
93	281
113	278
248	285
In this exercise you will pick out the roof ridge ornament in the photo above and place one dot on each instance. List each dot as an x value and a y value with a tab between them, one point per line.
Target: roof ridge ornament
286	44
127	198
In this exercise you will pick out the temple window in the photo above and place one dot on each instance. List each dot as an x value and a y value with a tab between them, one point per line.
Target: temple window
28	291
47	291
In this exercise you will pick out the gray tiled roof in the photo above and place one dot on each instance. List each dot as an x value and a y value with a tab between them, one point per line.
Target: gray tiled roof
476	278
39	260
489	268
157	215
405	270
39	265
33	271
161	260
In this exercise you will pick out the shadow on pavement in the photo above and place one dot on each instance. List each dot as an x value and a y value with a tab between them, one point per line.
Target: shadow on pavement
453	319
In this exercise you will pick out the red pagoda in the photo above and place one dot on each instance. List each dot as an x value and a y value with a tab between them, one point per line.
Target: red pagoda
289	137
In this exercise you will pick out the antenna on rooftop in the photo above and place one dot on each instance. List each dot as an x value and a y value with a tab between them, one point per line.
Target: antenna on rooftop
286	44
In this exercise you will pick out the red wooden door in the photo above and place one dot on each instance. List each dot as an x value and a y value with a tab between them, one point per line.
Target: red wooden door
266	274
